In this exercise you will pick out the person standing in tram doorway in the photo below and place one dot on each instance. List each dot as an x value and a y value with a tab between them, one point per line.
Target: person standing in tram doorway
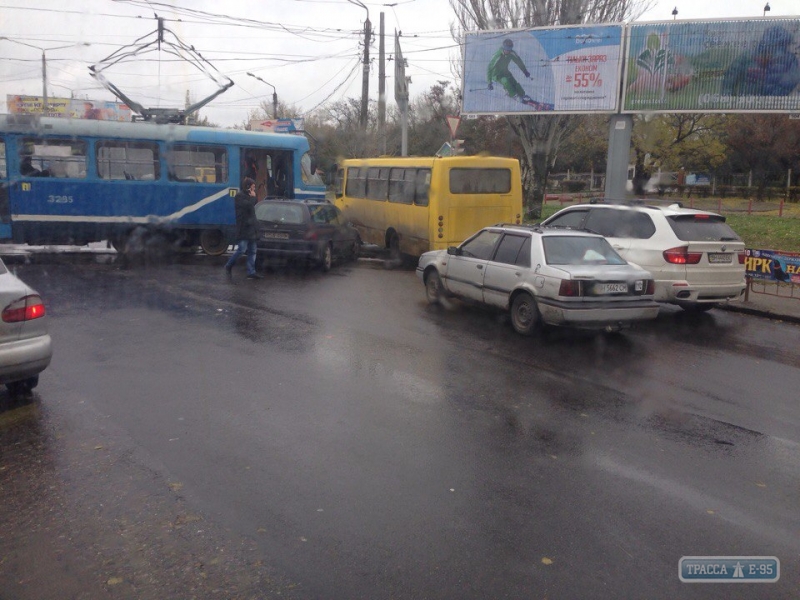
246	228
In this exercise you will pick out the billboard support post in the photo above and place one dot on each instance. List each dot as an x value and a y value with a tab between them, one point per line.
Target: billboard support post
619	147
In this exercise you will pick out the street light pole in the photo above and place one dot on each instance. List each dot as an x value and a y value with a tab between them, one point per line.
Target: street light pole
45	100
274	95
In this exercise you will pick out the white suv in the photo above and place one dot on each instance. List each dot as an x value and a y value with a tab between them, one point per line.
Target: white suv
697	260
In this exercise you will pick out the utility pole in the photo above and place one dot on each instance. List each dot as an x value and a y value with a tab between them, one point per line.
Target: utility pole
382	92
44	85
401	93
365	78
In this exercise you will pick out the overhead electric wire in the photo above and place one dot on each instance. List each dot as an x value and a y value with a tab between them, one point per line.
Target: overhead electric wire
336	89
181	53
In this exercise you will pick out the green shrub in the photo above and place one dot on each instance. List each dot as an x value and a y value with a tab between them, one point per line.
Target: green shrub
573	186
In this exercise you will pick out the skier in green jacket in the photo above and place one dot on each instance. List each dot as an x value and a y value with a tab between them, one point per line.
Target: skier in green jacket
498	71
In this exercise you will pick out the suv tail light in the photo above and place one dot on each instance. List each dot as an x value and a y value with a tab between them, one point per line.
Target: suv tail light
25	309
311	234
682	256
570	288
741	257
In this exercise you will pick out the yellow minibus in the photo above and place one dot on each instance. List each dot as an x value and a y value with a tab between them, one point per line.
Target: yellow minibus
415	204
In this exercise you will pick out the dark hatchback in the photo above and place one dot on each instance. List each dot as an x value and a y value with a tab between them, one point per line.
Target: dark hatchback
313	232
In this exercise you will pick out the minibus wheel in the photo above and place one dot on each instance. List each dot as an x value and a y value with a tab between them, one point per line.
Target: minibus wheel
394	248
213	242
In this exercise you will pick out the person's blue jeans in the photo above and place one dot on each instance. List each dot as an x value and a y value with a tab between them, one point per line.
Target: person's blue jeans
247	247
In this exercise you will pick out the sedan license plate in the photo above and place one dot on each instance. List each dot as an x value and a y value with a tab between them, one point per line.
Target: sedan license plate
719	257
276	236
611	288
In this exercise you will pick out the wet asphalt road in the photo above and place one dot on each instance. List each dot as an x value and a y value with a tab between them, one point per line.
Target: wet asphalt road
332	436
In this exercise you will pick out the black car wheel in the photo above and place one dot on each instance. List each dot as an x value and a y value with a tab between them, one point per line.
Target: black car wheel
525	316
326	258
355	250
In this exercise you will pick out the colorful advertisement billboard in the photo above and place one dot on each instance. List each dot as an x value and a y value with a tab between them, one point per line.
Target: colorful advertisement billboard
67	108
713	66
555	69
772	265
278	125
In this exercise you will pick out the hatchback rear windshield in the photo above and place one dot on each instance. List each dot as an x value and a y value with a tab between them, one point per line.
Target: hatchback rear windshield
280	213
702	228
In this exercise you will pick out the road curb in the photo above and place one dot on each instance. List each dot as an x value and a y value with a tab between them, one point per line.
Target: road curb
761	313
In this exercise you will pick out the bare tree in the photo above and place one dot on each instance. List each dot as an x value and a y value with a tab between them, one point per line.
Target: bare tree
539	135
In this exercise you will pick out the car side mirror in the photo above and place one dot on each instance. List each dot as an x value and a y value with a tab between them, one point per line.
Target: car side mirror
454	251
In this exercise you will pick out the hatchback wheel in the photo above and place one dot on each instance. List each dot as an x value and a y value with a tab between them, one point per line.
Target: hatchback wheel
326	258
524	314
433	287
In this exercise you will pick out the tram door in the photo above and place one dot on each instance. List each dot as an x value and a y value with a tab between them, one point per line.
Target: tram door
5	208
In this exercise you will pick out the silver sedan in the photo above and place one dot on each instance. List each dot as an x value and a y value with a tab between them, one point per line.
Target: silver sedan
25	345
542	276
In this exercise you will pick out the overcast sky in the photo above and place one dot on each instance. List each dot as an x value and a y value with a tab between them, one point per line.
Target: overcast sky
309	50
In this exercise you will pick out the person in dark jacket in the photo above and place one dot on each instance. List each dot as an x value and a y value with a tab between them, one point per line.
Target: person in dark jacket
246	228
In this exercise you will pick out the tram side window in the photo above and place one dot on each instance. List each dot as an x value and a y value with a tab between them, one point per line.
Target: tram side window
53	158
193	163
3	172
128	160
356	182
480	181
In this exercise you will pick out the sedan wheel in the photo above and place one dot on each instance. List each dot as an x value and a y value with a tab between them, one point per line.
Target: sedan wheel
433	288
524	314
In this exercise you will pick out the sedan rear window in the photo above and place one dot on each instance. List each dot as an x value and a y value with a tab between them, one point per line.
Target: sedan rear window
702	228
577	250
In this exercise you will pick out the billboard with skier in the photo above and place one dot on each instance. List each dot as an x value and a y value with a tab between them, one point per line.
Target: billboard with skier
713	66
557	69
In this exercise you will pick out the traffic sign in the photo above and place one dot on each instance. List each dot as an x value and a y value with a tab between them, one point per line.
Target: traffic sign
452	123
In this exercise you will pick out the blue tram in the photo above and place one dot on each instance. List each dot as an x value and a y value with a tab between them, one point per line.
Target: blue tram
75	181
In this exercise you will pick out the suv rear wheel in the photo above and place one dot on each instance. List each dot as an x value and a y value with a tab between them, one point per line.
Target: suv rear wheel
697	307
